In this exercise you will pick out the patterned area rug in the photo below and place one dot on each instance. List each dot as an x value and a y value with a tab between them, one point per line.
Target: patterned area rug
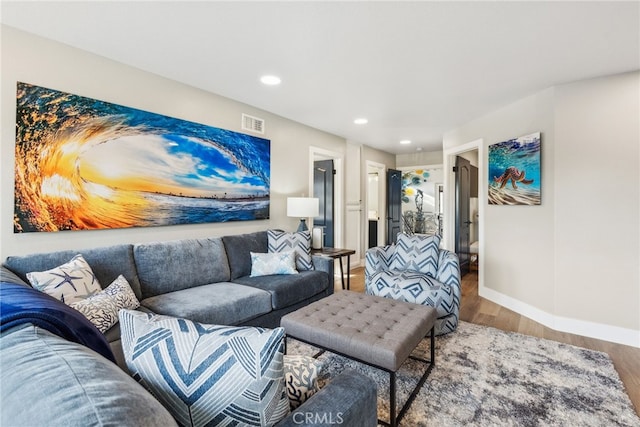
487	377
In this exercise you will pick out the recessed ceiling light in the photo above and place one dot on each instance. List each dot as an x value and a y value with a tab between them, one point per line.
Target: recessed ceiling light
361	121
270	80
405	142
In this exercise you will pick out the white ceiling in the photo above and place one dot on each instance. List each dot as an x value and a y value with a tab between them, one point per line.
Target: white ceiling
414	69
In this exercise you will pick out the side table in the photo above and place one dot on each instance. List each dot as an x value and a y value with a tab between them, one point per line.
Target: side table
337	253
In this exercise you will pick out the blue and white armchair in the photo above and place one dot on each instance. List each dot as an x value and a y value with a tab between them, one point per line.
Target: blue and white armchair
416	270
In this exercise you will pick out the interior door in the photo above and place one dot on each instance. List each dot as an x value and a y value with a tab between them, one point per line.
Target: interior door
463	190
323	178
394	207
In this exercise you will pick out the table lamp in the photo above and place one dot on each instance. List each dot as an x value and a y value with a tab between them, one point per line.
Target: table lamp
303	208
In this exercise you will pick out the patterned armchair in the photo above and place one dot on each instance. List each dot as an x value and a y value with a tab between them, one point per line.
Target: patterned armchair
416	270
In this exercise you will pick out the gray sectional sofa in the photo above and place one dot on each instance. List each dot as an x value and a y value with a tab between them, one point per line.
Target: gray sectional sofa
205	280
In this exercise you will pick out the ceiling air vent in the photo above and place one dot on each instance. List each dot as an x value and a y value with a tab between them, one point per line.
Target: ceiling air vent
252	124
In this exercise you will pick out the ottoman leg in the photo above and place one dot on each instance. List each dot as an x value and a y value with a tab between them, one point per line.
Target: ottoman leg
392	399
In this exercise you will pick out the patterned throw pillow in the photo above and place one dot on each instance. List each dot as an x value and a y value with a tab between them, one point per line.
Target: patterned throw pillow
301	377
207	374
102	308
416	253
70	282
279	263
300	242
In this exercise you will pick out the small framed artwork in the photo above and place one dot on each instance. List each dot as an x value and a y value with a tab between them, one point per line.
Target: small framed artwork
514	171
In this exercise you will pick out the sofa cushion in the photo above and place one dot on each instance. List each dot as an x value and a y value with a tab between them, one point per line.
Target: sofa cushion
299	242
220	303
47	379
102	308
207	374
239	248
290	289
180	264
106	262
70	282
416	253
268	264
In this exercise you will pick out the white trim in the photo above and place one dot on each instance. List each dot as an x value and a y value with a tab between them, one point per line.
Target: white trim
410	168
317	153
585	328
355	260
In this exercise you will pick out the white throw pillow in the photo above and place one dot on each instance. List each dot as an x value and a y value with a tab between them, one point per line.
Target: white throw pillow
277	263
70	282
207	374
102	308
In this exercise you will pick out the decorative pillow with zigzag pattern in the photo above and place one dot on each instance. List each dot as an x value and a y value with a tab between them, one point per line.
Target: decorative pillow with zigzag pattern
207	374
299	242
416	253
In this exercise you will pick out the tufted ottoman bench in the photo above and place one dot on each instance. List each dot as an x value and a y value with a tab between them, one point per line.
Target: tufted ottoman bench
377	331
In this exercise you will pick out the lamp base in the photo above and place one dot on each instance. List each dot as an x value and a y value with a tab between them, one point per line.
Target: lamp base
303	225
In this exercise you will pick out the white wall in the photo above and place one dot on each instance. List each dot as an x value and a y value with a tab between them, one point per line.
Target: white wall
597	179
419	158
35	60
571	263
518	259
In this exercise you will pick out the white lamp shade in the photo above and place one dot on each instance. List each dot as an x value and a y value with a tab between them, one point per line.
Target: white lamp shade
303	207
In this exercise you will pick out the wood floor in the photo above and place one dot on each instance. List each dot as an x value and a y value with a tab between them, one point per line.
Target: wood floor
475	309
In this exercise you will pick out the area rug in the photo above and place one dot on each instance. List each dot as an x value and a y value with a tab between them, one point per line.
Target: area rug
487	377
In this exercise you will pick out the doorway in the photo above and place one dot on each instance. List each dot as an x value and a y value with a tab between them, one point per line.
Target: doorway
323	189
394	205
462	171
473	151
376	206
334	205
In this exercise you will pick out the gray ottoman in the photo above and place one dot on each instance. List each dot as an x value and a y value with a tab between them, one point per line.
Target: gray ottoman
377	331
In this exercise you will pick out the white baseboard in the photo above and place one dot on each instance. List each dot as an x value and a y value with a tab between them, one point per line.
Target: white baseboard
585	328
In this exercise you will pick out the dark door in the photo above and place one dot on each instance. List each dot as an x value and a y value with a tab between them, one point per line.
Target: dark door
394	207
323	173
463	191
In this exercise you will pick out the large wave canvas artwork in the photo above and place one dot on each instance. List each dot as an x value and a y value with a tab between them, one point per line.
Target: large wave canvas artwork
85	164
514	171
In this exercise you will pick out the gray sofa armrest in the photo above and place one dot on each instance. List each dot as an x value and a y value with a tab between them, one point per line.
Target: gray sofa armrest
9	276
350	399
322	263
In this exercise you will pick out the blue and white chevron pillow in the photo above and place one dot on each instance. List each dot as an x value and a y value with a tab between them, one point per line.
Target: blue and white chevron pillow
416	253
277	263
207	374
299	242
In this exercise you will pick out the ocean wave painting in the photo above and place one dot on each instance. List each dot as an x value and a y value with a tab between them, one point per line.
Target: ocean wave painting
514	171
84	164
